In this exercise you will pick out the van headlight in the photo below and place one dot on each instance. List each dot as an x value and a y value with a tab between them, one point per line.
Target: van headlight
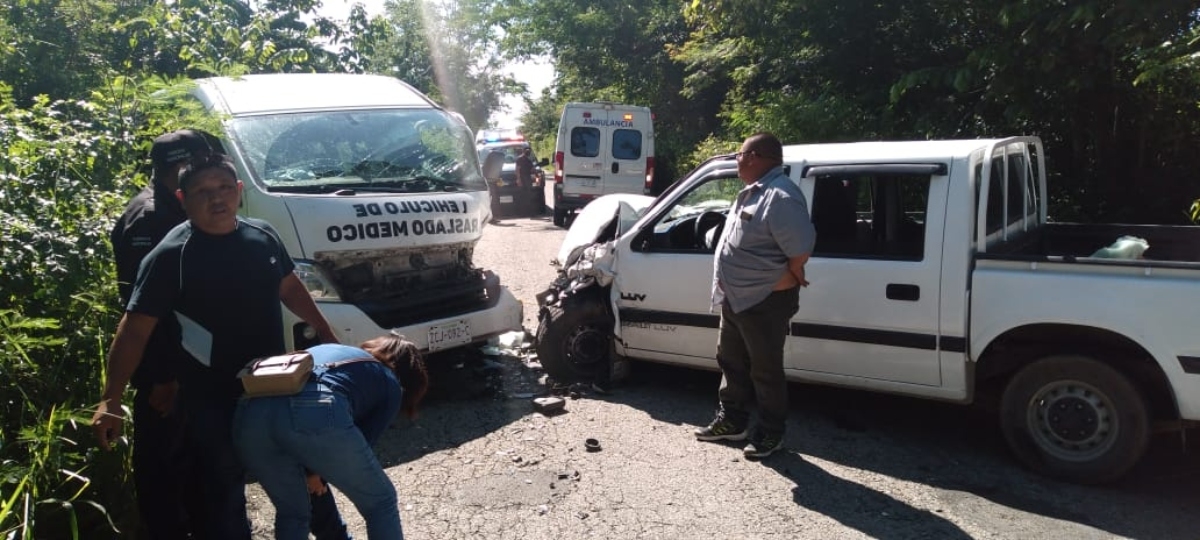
315	281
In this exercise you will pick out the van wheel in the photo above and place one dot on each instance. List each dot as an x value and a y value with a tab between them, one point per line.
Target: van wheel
1075	418
574	338
560	217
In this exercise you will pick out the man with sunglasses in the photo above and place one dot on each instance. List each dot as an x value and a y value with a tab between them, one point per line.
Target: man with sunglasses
758	273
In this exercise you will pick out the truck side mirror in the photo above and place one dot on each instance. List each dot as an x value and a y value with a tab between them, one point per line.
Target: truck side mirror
492	165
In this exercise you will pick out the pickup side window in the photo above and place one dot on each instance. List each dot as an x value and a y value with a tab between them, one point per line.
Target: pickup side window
872	216
585	142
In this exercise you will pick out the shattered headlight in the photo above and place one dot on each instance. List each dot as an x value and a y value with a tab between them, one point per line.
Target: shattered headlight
315	281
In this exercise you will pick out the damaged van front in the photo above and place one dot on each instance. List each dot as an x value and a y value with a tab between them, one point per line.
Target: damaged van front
378	196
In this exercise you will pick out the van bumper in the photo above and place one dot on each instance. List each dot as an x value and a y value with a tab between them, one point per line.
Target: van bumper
352	326
569	202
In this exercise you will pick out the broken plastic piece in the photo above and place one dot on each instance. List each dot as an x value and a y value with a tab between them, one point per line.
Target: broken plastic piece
546	405
512	339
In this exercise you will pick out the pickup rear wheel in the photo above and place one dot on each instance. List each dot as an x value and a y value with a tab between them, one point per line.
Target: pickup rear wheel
574	339
560	217
1075	418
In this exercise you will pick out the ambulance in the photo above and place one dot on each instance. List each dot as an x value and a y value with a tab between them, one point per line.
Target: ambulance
602	148
378	195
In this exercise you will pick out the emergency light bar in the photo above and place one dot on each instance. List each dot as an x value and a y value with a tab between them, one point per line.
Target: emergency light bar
499	135
514	138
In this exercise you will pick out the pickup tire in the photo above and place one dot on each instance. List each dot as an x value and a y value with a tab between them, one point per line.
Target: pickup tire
574	338
560	217
1075	418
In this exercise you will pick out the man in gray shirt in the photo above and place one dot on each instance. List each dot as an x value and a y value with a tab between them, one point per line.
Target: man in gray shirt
758	273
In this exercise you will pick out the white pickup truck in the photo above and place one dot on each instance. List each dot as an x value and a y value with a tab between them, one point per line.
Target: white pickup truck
936	274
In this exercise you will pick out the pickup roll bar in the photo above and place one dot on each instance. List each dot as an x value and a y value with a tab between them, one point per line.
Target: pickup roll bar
1002	148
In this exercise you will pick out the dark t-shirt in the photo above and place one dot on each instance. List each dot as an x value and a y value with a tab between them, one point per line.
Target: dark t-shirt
525	170
228	285
149	216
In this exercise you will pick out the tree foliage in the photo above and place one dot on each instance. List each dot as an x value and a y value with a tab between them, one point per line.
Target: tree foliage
446	50
1110	86
61	172
62	48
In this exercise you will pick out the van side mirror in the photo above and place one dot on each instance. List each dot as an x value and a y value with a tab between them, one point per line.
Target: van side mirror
492	165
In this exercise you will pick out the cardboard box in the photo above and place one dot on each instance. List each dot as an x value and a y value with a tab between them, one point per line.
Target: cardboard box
276	375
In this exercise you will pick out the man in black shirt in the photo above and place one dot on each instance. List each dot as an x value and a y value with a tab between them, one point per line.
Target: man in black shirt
222	277
162	467
525	169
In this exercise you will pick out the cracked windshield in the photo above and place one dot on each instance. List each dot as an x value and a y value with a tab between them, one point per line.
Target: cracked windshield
402	151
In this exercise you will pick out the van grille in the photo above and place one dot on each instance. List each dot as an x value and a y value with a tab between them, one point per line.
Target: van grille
405	286
478	291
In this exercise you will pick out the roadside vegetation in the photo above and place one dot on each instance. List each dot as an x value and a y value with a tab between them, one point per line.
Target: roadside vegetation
1110	86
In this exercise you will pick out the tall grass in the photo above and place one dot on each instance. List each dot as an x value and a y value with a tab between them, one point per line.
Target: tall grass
65	172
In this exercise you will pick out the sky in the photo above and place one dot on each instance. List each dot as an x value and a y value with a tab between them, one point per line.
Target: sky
536	75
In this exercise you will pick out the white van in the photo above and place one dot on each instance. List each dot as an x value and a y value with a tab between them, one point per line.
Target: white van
602	148
378	196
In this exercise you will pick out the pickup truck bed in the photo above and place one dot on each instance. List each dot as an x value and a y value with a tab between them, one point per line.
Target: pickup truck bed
1071	241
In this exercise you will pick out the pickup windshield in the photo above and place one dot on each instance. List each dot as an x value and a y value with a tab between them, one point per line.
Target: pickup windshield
398	151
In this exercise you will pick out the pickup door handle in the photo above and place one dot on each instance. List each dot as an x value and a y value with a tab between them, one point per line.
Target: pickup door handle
615	166
903	291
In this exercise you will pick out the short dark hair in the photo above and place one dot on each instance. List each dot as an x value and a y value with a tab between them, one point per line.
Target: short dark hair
766	145
203	163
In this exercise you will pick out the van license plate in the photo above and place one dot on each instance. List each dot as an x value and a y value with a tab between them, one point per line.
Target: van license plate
506	199
444	336
588	182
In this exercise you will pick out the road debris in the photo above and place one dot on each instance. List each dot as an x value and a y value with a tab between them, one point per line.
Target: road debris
548	405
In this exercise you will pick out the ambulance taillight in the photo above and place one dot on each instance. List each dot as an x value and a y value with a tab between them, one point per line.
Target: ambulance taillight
649	175
558	167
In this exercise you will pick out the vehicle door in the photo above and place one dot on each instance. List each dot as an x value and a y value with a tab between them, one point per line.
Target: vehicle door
871	309
664	272
626	145
584	160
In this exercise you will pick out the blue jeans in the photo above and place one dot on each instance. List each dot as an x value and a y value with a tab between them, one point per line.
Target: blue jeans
278	437
209	433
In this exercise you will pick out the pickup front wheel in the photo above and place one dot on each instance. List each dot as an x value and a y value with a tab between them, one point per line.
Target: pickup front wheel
1075	418
574	338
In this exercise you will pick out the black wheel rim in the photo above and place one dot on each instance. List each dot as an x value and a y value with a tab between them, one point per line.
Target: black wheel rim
587	346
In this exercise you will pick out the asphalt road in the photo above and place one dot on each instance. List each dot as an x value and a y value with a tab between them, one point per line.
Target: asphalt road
480	464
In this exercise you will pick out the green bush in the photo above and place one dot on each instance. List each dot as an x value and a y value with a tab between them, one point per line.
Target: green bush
65	172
